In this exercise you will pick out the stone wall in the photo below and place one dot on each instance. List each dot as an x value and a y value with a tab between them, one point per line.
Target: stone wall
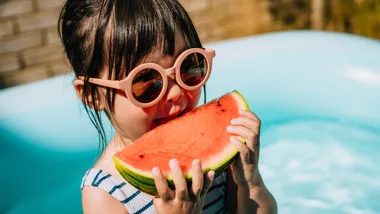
30	49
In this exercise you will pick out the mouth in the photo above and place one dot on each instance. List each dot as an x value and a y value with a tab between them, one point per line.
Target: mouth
163	120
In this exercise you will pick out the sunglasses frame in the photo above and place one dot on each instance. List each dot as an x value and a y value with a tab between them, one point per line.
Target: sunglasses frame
126	84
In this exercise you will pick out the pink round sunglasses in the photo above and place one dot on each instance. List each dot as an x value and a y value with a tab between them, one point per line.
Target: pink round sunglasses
147	83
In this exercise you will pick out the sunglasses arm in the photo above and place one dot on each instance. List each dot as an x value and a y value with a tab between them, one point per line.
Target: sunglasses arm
102	82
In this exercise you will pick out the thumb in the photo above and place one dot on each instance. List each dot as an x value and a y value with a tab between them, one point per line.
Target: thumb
157	202
209	179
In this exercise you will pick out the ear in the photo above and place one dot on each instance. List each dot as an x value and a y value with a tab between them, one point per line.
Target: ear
78	85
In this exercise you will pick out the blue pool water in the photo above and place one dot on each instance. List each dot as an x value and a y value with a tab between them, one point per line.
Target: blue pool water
316	93
321	166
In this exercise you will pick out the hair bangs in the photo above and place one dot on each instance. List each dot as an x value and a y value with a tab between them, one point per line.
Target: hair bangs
140	27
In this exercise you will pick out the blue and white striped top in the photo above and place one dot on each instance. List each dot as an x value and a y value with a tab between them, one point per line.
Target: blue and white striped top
137	202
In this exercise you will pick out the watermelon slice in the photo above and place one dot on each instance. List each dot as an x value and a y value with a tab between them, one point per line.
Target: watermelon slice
199	134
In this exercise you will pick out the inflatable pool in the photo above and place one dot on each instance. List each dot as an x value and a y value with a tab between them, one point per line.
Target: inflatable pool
317	93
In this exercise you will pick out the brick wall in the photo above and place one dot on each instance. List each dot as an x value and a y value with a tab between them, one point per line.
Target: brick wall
30	49
218	20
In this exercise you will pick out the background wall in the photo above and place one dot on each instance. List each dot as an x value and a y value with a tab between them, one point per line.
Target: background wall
30	49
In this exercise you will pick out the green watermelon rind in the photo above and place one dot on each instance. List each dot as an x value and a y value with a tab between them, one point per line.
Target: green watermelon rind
143	180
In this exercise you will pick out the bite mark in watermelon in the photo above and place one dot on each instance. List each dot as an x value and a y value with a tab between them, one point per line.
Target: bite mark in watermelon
199	134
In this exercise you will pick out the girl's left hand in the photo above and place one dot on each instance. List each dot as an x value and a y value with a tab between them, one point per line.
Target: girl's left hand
245	167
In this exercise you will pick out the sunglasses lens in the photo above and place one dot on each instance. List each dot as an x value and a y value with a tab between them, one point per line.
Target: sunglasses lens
147	85
194	69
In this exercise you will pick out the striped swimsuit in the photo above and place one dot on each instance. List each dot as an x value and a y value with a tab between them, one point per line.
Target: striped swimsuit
137	202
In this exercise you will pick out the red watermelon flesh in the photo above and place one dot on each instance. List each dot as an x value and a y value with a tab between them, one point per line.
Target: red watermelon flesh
199	134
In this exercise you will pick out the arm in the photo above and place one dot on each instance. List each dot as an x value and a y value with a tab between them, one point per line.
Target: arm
256	199
245	184
96	200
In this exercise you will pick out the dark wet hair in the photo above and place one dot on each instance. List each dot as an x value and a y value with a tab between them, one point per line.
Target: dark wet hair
117	35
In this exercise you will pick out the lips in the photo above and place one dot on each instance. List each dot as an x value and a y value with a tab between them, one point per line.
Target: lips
163	120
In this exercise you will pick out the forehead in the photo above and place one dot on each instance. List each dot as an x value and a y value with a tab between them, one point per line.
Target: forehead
157	55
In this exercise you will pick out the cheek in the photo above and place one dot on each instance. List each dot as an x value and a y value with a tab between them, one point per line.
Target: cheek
125	111
132	121
122	105
193	97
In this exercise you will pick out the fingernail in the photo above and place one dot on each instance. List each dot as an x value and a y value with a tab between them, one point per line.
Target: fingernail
212	174
196	162
229	128
173	162
233	121
155	171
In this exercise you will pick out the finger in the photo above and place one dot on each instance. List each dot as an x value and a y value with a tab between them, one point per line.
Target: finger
234	166
179	180
197	174
157	202
247	122
162	187
249	114
240	146
209	179
249	135
246	155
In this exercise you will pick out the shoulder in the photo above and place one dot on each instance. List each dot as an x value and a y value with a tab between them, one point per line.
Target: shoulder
96	200
106	163
103	188
101	193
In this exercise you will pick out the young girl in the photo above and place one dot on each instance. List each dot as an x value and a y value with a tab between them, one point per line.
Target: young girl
142	63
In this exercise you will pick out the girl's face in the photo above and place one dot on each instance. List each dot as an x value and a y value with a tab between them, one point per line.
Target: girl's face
133	121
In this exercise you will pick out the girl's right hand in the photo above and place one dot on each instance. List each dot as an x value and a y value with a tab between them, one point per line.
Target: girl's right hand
182	199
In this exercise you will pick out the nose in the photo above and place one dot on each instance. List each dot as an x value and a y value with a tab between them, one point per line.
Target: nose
174	92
